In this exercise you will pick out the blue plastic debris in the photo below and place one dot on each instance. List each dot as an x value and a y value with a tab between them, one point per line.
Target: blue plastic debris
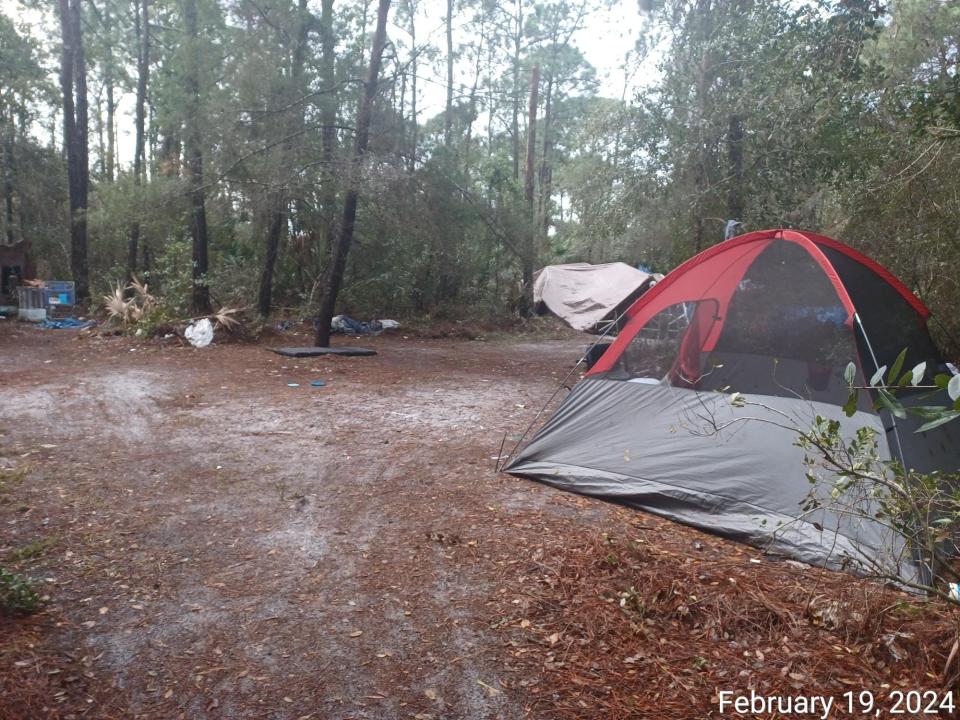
318	383
70	322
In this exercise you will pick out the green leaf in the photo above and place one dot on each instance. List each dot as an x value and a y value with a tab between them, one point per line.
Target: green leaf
918	372
897	367
943	420
941	381
953	388
889	402
878	376
850	373
928	412
850	406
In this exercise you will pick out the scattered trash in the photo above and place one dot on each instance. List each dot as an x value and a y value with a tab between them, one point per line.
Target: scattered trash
954	591
348	326
318	383
293	384
200	333
70	322
284	325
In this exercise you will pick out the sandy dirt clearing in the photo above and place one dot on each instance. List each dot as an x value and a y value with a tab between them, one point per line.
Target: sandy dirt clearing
219	544
216	544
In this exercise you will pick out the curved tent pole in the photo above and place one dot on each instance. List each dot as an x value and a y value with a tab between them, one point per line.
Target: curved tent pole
878	269
804	241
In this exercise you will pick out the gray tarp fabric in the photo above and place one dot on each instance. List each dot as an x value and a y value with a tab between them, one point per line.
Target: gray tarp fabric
584	295
653	447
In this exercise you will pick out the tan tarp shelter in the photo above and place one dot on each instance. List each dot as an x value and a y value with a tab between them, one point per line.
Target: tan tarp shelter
588	296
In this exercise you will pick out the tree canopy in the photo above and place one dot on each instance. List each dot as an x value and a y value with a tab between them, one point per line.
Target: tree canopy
222	143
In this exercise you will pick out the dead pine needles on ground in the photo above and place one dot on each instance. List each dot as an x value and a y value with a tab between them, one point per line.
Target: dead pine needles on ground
651	620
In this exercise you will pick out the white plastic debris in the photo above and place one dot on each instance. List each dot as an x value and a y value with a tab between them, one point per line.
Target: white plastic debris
389	324
200	333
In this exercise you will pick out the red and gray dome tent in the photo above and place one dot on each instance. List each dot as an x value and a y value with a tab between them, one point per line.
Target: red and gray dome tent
775	315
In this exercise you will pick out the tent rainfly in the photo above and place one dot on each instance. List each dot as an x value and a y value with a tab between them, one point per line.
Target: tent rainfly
775	315
588	297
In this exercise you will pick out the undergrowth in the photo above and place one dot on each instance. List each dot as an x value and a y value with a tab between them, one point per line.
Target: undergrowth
17	596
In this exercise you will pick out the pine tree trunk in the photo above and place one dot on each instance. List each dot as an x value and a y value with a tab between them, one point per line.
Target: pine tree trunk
73	86
328	137
414	137
200	298
342	248
277	200
101	146
8	170
278	221
448	113
142	25
546	171
472	101
108	79
515	120
735	159
529	245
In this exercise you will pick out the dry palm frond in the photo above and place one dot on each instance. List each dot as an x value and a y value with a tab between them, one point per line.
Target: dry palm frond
145	301
141	290
117	306
224	317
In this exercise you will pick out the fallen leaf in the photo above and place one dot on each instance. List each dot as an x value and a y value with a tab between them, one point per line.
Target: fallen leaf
431	694
356	633
491	691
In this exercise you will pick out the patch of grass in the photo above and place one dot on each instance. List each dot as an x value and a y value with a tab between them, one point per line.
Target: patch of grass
32	550
17	596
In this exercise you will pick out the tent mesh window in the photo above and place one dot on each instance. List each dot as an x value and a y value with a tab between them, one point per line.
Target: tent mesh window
890	323
653	350
785	333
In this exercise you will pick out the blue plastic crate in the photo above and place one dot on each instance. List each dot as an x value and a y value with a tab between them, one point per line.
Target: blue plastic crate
59	293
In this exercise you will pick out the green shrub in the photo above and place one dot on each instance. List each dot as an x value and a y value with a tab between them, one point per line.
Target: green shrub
17	597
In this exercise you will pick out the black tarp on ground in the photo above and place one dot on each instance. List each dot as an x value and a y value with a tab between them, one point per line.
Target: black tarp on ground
300	352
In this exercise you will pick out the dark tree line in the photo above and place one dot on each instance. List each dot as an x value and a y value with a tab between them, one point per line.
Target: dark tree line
287	155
